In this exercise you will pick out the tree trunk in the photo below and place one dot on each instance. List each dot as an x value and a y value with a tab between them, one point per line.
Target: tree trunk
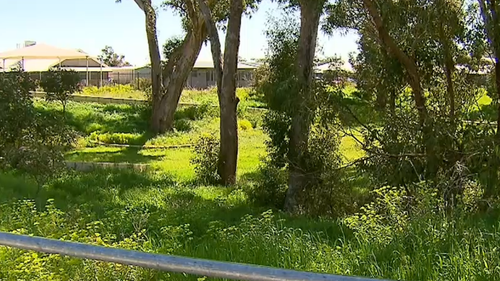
490	19
175	78
167	85
226	86
215	45
229	102
449	67
154	56
303	114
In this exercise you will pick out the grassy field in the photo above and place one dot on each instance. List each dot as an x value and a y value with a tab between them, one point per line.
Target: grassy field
165	210
156	213
247	96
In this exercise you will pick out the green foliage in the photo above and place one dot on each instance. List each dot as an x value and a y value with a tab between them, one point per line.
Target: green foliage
386	215
182	125
170	46
245	125
326	194
60	84
116	138
110	58
145	213
144	85
117	91
199	112
279	83
271	186
205	160
31	142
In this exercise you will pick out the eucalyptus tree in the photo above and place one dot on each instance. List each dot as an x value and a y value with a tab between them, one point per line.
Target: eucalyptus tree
416	45
225	74
417	40
489	10
169	81
489	39
303	106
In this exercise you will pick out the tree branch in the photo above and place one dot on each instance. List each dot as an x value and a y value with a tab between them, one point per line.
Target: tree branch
141	5
214	42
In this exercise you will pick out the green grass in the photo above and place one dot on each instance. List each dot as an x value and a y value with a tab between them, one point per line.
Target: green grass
116	91
155	213
125	124
164	210
173	161
209	96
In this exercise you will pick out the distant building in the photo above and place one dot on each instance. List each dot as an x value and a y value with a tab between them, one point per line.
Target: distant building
202	76
37	59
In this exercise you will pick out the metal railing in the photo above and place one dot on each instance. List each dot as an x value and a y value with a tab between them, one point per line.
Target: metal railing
200	267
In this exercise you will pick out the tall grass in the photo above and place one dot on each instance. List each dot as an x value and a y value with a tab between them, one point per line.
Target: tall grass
156	214
115	91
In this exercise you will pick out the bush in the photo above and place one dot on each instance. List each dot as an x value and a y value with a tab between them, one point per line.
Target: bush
116	138
245	125
271	186
182	125
143	84
198	112
30	141
206	159
255	118
116	91
60	84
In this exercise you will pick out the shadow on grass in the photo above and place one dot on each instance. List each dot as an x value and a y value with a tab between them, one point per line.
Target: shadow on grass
123	155
86	118
124	196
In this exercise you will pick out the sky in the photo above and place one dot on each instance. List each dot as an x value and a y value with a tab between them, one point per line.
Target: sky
92	24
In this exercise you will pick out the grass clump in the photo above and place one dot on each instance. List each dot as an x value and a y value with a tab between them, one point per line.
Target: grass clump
115	91
117	138
245	125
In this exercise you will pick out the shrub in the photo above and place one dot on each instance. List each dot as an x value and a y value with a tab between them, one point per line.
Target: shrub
116	138
59	84
143	84
245	125
31	142
119	91
380	219
205	159
271	186
198	112
93	127
182	125
73	225
254	117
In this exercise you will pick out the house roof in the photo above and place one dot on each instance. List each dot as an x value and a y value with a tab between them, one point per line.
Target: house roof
210	65
199	64
40	65
32	65
43	51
